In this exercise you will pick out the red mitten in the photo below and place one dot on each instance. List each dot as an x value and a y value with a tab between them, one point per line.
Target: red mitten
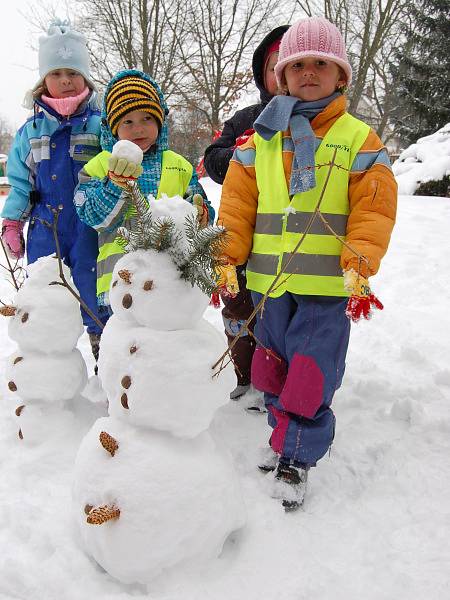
215	300
361	300
244	137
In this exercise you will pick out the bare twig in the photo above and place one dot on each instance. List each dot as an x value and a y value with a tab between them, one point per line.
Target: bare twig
11	269
54	227
276	282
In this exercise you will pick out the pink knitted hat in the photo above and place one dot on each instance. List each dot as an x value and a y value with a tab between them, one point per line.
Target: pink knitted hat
312	37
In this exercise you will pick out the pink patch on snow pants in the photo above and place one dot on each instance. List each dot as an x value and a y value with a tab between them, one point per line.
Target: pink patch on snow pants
302	393
268	371
280	429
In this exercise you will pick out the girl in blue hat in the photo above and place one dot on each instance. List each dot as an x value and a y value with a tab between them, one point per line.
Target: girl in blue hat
47	153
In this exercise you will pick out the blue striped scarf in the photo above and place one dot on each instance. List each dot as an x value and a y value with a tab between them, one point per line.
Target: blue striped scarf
285	112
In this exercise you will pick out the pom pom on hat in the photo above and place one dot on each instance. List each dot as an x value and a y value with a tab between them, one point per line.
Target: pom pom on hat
312	37
63	48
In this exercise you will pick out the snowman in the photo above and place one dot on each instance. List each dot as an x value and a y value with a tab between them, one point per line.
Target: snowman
153	489
47	372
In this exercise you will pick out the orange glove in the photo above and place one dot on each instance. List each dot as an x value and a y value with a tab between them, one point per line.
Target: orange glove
361	300
227	283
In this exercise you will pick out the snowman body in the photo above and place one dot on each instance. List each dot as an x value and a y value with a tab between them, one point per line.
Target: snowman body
153	489
47	371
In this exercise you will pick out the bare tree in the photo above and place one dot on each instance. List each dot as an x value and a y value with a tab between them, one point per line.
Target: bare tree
133	34
221	37
6	135
371	30
124	34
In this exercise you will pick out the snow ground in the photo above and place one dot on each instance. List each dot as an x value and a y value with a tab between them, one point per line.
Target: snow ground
376	522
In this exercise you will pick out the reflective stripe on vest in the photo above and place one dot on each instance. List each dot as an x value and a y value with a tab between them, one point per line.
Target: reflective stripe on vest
280	221
176	173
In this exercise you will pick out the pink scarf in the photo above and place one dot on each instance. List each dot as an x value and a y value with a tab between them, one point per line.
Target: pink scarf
66	106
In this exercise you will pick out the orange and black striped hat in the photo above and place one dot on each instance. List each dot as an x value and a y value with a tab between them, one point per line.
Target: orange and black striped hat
132	93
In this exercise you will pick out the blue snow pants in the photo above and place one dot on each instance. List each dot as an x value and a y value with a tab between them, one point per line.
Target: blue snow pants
302	365
79	250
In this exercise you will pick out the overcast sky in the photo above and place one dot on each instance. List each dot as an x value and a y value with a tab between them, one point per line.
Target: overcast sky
18	63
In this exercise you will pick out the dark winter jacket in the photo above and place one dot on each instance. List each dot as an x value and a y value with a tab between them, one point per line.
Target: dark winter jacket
219	153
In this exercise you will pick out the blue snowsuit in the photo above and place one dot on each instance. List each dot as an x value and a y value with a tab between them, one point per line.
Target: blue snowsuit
43	165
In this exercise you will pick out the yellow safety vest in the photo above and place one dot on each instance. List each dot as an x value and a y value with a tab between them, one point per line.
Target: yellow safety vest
280	221
176	173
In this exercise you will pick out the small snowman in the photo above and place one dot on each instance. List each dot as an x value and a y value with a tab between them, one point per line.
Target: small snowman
47	372
153	489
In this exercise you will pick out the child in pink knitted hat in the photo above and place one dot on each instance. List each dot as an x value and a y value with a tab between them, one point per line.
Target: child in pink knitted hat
313	42
309	201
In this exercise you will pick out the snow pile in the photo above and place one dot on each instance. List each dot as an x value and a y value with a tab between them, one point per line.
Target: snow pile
376	522
47	372
427	160
153	489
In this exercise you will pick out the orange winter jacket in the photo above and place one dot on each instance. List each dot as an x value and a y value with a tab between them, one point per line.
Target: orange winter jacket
372	196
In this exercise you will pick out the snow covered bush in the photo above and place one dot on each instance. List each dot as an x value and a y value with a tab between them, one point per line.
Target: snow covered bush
424	167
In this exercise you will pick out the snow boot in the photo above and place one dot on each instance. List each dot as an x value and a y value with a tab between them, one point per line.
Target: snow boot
290	486
95	338
239	391
267	460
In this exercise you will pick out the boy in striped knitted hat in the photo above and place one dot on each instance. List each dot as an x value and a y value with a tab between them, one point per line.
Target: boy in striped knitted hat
134	109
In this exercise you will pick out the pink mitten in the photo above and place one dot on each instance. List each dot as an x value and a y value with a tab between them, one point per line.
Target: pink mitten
12	236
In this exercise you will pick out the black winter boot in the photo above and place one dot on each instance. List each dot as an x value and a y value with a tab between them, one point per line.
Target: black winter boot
290	485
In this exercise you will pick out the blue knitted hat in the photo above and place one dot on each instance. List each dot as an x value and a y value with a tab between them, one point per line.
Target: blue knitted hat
63	48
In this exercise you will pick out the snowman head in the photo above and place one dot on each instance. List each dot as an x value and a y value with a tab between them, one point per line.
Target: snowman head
147	290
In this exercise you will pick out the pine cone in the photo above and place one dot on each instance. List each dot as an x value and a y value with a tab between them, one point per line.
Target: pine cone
102	514
108	443
125	275
8	311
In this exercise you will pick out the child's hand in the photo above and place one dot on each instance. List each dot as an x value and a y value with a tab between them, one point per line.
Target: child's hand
121	171
361	300
12	238
202	209
227	283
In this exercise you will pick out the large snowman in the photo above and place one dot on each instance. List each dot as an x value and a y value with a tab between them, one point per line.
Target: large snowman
153	489
47	372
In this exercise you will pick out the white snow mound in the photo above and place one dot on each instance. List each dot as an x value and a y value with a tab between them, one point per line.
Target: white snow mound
171	387
48	318
47	378
178	500
169	303
427	160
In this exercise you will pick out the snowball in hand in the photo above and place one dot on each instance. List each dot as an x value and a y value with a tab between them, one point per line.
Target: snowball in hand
129	151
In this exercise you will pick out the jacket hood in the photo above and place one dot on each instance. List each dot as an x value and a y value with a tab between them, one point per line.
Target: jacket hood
107	139
258	61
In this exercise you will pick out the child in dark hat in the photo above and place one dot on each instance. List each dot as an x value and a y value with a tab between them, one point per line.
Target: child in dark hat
134	109
217	157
